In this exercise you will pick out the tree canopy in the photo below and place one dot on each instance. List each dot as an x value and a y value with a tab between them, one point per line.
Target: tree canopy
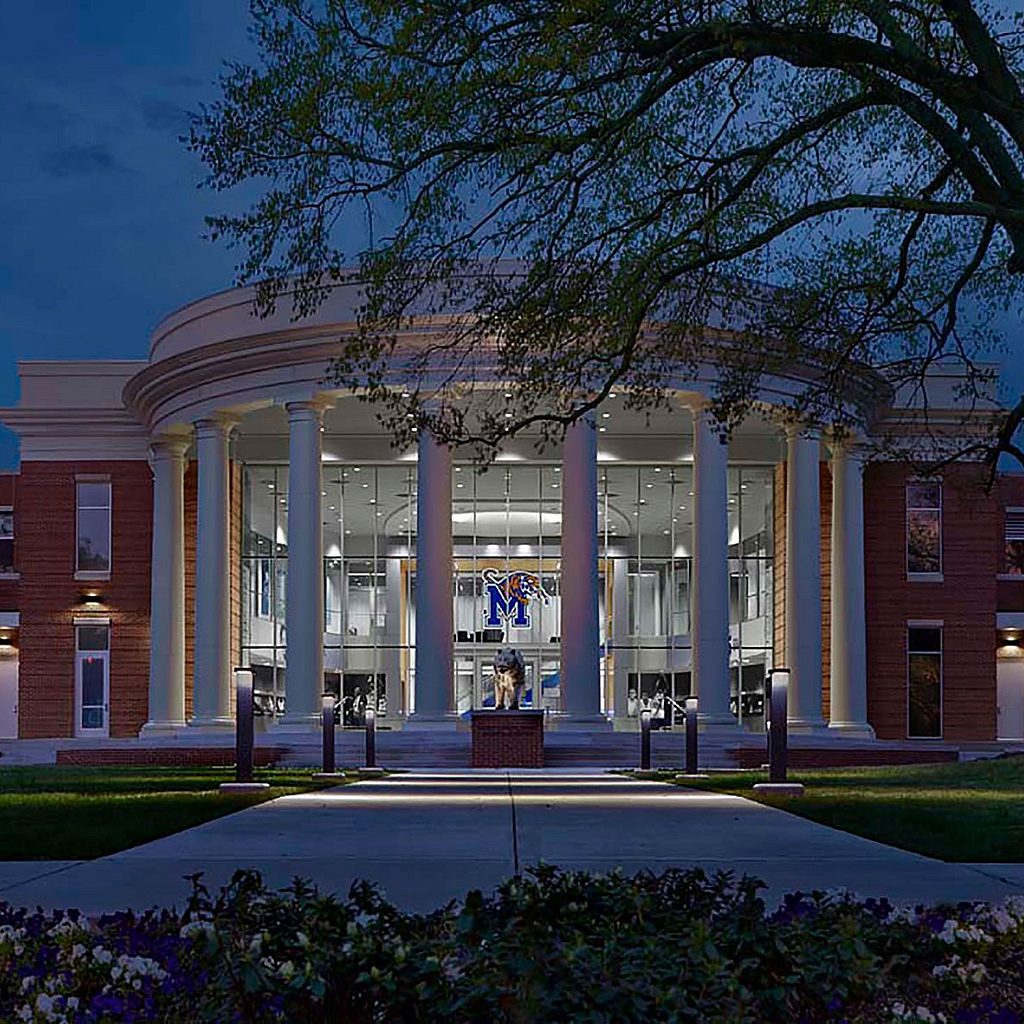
595	196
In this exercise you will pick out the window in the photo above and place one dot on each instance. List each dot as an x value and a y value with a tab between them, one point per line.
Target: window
93	551
1013	562
92	677
924	687
6	540
924	527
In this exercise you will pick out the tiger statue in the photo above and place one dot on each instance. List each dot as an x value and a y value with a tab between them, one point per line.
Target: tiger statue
509	678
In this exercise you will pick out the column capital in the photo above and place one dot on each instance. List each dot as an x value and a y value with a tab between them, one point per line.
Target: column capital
218	424
309	408
795	430
169	446
846	444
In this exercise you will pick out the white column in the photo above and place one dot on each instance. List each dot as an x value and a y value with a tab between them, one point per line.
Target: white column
167	587
580	645
434	608
710	608
392	660
803	578
304	590
211	694
848	701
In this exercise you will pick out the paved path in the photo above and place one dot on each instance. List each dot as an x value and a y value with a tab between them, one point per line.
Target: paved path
428	837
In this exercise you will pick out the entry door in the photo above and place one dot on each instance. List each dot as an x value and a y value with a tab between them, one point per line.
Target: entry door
92	681
8	698
1010	698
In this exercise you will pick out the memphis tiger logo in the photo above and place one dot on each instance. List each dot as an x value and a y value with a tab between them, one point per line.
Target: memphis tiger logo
509	597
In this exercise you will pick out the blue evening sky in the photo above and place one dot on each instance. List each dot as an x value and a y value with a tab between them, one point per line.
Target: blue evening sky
101	222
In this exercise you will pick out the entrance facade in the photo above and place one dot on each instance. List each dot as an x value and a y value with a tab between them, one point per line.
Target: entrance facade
506	530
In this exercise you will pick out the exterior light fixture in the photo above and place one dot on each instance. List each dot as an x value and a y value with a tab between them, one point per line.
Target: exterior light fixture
91	599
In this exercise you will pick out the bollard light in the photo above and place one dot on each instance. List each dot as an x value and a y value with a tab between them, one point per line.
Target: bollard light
243	725
690	706
327	719
645	739
776	702
371	736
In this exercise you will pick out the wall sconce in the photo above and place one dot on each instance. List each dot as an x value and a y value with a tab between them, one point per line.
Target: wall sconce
91	599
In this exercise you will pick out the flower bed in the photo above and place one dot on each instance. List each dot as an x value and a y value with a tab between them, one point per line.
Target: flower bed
555	946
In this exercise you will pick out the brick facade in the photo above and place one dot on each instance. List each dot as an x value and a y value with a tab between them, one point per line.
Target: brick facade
965	600
508	739
50	597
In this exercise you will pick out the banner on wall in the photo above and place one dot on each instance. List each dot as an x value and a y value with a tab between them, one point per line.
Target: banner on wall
509	596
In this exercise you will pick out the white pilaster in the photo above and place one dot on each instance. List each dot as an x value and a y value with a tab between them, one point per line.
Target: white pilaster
580	627
304	590
710	610
167	583
848	707
803	578
434	603
211	696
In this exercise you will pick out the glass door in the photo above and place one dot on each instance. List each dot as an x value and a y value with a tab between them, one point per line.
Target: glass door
92	679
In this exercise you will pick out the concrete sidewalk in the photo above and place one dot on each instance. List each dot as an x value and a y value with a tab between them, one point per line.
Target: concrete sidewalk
428	837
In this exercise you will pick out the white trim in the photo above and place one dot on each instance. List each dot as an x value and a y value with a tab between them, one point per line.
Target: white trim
10	575
926	577
92	575
91	620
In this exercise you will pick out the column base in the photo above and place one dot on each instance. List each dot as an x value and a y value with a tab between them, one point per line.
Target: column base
297	723
168	728
437	723
716	720
854	730
807	726
215	724
579	723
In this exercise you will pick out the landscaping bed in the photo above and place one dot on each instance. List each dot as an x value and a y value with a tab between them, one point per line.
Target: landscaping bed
969	811
69	813
551	947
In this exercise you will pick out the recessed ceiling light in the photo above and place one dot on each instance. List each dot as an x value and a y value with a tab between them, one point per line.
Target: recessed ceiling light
606	415
365	485
602	429
332	508
323	494
348	533
666	532
682	507
657	469
460	484
649	486
357	469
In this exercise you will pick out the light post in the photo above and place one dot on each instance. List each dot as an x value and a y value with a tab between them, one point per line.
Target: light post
690	706
327	719
776	706
244	740
371	736
645	739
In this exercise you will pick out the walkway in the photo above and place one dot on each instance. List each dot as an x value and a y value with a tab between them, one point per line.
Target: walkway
427	837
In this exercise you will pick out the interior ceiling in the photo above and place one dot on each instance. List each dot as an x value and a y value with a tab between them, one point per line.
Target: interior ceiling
355	418
514	501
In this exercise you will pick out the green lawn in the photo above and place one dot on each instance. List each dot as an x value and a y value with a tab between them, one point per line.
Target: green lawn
58	813
970	811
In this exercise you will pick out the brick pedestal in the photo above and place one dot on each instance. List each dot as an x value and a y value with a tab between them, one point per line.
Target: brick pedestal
508	739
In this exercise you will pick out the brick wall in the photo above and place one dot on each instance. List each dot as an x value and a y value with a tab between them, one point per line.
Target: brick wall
965	600
50	597
508	739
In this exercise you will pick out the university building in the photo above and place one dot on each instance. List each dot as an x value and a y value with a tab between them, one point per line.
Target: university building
215	505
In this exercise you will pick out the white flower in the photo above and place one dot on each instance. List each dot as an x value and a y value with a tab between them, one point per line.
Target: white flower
27	982
102	955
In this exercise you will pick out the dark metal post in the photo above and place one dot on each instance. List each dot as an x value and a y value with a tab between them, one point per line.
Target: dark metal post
371	736
691	735
243	725
776	701
645	739
328	734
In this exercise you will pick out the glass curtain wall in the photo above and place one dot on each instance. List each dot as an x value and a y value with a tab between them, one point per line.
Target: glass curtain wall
506	537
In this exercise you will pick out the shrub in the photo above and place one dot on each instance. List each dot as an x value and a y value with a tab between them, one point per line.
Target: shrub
554	946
